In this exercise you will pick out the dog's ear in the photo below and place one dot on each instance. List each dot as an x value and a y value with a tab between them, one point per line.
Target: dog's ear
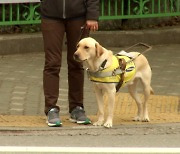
99	50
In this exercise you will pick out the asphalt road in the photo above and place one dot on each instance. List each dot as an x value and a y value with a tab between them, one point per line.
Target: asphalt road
122	139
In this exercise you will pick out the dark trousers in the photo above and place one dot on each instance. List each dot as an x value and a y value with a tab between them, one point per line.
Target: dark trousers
53	33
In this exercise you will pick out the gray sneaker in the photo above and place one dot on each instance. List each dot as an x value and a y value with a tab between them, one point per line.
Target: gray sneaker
53	118
78	116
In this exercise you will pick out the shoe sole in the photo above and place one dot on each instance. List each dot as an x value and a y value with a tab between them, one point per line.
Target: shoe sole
80	122
54	125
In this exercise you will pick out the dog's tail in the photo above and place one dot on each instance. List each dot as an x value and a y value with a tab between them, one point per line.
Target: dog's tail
151	91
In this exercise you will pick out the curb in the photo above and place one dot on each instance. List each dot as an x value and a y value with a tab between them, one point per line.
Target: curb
24	43
84	127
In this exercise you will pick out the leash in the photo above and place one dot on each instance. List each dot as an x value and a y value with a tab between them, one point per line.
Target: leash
83	33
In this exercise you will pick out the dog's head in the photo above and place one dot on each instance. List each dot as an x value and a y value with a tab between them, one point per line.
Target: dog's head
88	48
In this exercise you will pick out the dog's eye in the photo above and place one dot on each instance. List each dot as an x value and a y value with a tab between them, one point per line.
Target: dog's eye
77	46
86	47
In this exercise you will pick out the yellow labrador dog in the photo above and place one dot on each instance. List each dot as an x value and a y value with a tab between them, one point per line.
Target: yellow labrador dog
106	72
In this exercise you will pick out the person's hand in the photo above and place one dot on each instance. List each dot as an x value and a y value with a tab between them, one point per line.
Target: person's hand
92	25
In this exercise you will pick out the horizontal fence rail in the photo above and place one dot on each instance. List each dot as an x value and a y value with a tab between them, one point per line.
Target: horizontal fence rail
17	1
18	12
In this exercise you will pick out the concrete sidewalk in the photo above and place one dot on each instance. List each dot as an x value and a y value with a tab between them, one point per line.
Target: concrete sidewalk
21	92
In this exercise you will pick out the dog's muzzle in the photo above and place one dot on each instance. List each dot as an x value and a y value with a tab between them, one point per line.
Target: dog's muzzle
76	58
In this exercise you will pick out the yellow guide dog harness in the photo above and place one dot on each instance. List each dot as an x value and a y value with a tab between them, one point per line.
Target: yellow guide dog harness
121	71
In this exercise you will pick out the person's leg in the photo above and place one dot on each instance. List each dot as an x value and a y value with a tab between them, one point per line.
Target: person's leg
53	34
75	69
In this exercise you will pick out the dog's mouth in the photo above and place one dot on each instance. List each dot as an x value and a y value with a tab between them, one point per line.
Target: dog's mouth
82	60
76	58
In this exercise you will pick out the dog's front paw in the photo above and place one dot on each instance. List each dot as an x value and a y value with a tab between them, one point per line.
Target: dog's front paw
145	119
108	124
98	123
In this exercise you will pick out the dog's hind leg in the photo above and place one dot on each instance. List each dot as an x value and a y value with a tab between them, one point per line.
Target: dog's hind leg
146	81
133	92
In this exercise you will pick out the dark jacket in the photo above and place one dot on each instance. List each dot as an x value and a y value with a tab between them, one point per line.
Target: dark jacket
67	9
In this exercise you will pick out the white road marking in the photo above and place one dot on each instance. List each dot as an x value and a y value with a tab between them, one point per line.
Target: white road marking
109	150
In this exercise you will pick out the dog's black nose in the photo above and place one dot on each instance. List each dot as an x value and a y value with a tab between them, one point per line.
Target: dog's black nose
76	56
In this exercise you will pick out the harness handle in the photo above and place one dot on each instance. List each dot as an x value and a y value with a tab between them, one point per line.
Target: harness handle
123	63
137	44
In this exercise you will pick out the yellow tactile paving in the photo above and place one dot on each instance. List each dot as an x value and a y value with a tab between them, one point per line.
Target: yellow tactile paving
162	109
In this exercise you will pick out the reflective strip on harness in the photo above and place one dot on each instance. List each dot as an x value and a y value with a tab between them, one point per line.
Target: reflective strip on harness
108	72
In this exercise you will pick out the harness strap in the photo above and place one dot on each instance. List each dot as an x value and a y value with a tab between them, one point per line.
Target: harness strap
101	74
122	64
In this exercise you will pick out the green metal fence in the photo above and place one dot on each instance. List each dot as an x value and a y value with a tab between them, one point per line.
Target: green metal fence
28	13
18	14
128	9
